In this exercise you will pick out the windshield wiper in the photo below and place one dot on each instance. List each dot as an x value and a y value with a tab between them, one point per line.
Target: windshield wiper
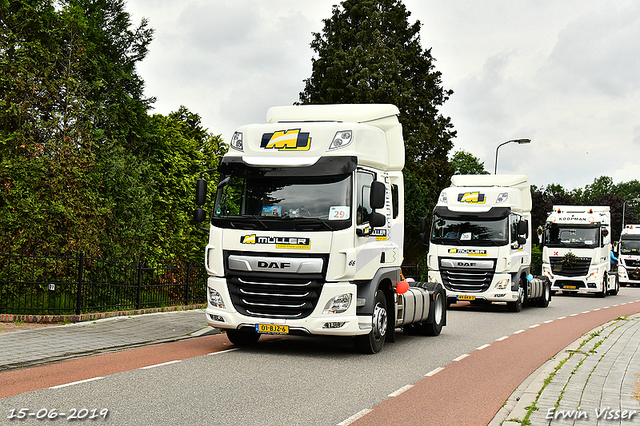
310	222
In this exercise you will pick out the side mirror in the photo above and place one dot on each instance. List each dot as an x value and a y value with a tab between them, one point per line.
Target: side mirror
377	196
201	192
199	215
523	228
423	225
522	241
377	220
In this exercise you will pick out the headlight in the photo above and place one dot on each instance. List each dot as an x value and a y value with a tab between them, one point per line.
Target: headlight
622	272
341	139
338	304
236	142
215	299
502	284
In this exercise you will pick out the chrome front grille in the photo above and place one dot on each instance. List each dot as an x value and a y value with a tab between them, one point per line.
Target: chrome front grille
283	287
474	278
577	268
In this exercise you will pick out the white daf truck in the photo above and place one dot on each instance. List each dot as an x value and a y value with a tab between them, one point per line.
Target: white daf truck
306	233
629	255
576	253
480	242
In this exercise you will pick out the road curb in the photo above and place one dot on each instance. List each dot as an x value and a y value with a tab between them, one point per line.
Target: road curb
517	406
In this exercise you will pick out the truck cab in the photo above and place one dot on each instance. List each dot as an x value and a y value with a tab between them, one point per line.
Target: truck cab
576	254
307	229
629	255
480	241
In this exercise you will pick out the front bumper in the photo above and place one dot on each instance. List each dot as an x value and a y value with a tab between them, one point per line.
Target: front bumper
318	323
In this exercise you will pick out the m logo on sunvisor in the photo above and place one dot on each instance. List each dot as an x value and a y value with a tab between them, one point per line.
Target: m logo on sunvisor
471	198
286	140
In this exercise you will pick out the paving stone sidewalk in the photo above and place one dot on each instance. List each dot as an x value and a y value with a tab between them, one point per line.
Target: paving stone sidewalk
594	381
55	343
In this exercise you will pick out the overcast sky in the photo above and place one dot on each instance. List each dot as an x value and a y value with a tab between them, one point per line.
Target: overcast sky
563	73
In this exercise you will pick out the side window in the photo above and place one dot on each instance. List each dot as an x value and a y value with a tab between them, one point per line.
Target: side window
514	228
394	200
363	209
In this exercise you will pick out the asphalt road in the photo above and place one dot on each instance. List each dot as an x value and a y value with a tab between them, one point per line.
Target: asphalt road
305	381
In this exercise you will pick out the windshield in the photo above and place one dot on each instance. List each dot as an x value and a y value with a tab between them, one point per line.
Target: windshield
469	232
324	200
563	236
629	246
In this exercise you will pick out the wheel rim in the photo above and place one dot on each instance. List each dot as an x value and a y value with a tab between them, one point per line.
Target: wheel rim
521	294
379	321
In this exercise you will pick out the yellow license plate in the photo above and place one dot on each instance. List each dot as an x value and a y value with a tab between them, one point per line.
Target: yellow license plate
466	297
272	329
572	287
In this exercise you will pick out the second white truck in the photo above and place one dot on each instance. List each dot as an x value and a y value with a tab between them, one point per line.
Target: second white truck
629	255
576	254
480	242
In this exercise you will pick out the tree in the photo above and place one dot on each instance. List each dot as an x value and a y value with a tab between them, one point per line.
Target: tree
368	52
465	163
182	149
71	108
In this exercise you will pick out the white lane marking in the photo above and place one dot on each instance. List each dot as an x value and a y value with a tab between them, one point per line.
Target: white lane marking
76	383
479	348
518	332
534	326
355	417
434	372
399	391
505	337
561	318
159	365
461	357
222	352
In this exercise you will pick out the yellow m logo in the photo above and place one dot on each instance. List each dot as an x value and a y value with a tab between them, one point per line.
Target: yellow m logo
286	140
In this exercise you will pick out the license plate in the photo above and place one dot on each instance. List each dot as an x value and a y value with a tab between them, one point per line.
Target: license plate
272	329
466	297
572	287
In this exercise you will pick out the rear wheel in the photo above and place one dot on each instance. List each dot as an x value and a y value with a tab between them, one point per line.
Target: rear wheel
439	315
374	341
546	296
242	338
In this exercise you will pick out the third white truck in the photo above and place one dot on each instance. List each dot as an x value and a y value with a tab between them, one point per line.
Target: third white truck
576	254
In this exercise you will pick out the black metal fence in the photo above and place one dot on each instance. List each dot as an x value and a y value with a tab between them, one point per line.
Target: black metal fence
75	283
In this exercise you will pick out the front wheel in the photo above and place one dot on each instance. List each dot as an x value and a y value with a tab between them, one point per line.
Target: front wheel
242	338
374	341
603	293
519	303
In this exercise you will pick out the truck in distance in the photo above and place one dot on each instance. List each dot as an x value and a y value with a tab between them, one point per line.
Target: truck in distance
629	256
576	253
307	230
480	242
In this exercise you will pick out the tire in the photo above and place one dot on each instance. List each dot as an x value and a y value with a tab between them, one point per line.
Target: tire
543	302
373	342
602	294
615	291
518	304
242	338
439	315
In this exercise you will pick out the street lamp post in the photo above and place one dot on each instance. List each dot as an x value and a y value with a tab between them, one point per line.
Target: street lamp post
520	141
